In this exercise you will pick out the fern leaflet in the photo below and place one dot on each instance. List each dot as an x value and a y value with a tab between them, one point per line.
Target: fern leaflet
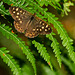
10	61
55	46
43	52
53	3
2	9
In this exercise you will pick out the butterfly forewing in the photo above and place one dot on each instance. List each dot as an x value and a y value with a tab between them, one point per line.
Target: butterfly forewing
28	24
21	17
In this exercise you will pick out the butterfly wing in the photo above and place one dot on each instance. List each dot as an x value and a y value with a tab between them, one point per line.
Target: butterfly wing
21	17
28	24
37	26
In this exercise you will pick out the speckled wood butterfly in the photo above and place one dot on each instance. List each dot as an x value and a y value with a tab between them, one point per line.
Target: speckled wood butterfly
28	24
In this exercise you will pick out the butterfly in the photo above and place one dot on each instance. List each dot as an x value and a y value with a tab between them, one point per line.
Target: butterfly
28	23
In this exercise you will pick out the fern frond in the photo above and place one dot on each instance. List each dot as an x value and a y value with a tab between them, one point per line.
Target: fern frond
6	32
53	3
66	8
2	9
13	2
67	41
10	61
43	52
55	46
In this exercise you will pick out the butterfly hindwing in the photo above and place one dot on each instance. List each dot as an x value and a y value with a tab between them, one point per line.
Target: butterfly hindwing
37	26
31	31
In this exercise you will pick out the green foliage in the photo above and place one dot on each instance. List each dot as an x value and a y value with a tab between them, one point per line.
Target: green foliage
63	35
36	7
66	6
10	61
2	9
55	46
53	3
43	52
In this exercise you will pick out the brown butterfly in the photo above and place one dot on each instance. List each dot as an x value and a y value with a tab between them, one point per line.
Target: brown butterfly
28	24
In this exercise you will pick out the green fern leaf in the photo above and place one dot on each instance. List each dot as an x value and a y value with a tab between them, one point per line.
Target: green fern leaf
10	61
67	42
2	9
66	8
53	3
5	31
55	46
43	52
13	2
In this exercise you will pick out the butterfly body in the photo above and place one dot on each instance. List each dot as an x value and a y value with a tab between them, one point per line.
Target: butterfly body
28	24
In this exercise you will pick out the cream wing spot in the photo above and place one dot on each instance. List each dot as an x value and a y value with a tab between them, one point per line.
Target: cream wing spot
20	21
17	13
17	16
37	29
33	29
14	12
46	26
23	13
20	11
17	9
40	22
42	27
16	23
13	8
43	24
45	29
